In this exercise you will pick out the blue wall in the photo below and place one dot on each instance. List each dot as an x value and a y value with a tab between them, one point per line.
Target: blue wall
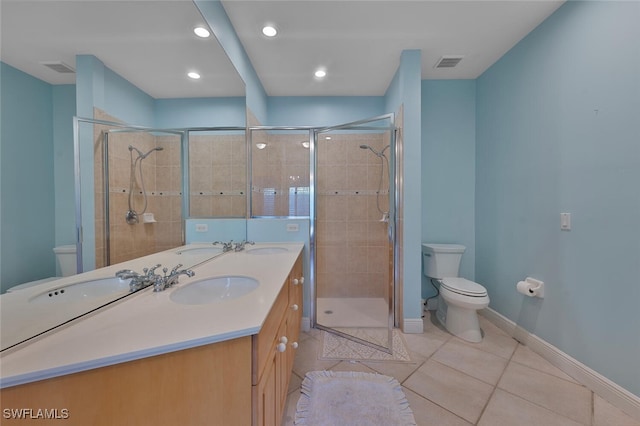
320	111
26	178
200	112
448	168
557	131
405	90
64	108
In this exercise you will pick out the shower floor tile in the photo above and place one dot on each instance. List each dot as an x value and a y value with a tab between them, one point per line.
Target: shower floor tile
352	312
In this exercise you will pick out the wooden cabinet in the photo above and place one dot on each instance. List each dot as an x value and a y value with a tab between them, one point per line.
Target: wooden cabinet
204	385
210	384
274	351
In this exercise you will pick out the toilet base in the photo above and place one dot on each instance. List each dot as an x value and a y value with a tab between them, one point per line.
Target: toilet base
461	322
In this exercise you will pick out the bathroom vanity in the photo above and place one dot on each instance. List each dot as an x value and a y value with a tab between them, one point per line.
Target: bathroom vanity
151	360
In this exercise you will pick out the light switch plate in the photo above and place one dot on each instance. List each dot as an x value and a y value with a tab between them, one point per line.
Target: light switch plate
565	221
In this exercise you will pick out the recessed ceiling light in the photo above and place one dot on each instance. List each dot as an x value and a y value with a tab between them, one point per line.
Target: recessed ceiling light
194	75
320	73
269	31
328	138
261	145
202	32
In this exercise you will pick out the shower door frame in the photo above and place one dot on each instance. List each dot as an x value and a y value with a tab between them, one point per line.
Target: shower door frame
105	177
393	208
79	143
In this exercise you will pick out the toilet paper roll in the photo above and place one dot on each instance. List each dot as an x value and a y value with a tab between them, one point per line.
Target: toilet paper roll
526	288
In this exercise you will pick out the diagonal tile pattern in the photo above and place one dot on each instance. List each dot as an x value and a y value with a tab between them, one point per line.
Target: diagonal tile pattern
455	383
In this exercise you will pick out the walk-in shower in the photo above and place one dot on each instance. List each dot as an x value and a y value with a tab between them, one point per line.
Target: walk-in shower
353	249
132	216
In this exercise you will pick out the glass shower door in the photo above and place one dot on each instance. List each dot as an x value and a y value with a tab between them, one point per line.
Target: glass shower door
354	231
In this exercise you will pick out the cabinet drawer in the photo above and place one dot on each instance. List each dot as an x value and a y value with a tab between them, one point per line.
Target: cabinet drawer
264	342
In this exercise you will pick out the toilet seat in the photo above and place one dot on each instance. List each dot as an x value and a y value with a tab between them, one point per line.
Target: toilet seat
463	287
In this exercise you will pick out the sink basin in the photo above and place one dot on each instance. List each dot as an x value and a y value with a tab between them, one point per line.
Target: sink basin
84	290
197	251
218	289
267	250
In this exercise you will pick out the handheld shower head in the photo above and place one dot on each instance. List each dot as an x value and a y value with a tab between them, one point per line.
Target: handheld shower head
142	156
379	154
158	148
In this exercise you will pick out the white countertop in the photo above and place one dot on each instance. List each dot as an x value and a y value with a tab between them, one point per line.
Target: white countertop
149	323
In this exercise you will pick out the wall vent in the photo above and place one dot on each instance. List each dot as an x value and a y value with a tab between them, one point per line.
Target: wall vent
59	66
448	61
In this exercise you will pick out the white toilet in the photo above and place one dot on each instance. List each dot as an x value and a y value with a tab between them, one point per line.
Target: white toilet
459	298
66	258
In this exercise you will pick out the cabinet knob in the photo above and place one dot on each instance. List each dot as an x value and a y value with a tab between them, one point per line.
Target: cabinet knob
301	280
294	307
294	345
284	340
281	347
296	281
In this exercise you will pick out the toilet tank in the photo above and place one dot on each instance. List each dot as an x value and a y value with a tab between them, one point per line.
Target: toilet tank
441	260
67	260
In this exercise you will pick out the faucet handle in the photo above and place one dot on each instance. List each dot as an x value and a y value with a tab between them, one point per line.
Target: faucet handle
152	271
175	269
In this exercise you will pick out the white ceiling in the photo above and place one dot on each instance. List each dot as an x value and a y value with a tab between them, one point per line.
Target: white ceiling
148	42
151	43
360	42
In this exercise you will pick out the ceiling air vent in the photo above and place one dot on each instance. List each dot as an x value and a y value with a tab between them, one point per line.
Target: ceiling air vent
448	61
59	66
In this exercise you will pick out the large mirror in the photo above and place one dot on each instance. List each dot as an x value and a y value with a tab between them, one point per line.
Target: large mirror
122	62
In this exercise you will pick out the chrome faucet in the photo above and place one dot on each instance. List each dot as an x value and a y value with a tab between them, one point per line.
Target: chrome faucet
240	246
225	246
138	281
167	280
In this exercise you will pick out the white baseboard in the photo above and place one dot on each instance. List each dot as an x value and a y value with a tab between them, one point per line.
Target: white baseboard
306	324
413	326
600	385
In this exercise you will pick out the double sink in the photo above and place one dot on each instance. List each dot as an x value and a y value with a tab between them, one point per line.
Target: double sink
208	290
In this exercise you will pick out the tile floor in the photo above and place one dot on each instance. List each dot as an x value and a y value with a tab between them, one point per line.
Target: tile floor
453	383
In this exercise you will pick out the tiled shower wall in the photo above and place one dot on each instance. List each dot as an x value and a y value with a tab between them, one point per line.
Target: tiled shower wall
218	175
280	174
162	177
353	250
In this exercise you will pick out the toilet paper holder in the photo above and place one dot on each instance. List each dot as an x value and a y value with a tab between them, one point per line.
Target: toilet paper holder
531	287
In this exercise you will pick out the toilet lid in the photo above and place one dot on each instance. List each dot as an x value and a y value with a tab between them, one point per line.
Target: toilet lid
463	286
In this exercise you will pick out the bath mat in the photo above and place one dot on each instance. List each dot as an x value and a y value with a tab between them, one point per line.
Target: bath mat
339	398
336	347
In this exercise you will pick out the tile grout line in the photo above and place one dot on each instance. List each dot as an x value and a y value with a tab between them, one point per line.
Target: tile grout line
495	387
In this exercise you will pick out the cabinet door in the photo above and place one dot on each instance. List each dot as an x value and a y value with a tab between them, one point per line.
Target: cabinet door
265	401
294	311
282	371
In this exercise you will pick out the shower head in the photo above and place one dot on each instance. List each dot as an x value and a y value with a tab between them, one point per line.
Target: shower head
379	154
142	156
158	148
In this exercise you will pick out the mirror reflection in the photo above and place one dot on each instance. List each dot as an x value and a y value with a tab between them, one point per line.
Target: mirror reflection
280	163
132	196
139	209
217	174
